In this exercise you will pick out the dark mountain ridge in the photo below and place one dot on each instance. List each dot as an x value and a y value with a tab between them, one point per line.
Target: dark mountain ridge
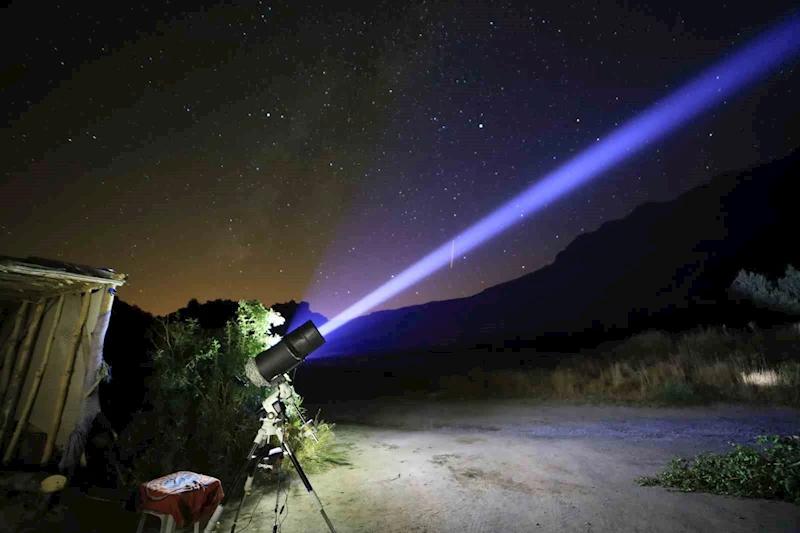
666	265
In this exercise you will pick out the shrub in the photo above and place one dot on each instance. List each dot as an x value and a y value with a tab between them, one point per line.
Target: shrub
783	295
648	345
772	470
699	366
675	392
205	412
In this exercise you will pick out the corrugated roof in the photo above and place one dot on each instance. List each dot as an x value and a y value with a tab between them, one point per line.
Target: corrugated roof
35	277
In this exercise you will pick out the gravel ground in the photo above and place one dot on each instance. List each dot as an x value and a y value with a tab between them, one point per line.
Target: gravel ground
522	467
488	466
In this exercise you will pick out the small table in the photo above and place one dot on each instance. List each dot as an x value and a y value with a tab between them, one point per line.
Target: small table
185	497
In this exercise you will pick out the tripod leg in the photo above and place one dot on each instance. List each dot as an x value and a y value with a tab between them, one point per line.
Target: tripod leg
214	520
307	483
277	498
247	484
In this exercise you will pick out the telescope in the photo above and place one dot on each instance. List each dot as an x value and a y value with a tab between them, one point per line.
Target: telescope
292	350
270	368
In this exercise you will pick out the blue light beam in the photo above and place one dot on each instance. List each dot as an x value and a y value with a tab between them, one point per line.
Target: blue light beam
764	53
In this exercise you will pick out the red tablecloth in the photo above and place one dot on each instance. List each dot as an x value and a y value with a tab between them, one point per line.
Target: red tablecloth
187	496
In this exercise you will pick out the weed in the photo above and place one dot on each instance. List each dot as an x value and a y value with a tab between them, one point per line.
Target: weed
771	470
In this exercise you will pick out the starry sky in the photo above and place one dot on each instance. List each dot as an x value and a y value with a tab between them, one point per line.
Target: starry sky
293	150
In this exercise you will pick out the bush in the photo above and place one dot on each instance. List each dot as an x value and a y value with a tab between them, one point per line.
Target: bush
205	412
652	345
770	471
676	392
783	295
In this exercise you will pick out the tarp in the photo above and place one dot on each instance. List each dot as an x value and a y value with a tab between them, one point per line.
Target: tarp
89	406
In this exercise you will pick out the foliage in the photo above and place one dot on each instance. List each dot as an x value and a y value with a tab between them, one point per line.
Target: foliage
318	452
205	411
656	368
676	392
782	295
772	470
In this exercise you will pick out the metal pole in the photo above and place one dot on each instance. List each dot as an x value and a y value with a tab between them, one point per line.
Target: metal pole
307	483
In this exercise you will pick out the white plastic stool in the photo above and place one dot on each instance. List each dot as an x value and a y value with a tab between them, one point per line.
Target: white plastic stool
167	522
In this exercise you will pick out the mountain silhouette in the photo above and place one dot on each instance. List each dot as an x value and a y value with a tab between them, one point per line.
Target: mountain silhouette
666	265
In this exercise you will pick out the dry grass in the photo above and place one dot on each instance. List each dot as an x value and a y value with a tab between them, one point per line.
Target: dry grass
705	365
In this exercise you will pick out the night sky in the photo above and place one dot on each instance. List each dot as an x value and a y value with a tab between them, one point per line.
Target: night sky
289	150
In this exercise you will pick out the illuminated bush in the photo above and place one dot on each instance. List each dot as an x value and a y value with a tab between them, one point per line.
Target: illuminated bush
768	378
782	295
205	413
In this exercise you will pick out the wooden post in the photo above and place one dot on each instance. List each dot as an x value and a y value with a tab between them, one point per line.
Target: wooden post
65	378
37	380
20	370
11	349
95	346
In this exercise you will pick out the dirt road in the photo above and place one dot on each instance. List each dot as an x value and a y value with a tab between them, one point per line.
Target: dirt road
525	467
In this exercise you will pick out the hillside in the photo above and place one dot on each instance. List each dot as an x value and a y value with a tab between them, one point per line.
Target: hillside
665	265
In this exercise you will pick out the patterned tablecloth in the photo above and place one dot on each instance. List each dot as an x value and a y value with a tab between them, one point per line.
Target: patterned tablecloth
187	496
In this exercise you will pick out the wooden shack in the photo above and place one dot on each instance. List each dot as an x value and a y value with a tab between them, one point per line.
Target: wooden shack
53	319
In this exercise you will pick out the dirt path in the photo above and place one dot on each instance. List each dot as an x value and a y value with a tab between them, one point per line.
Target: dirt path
521	467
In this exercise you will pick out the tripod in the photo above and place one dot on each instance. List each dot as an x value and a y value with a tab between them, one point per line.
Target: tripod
270	425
